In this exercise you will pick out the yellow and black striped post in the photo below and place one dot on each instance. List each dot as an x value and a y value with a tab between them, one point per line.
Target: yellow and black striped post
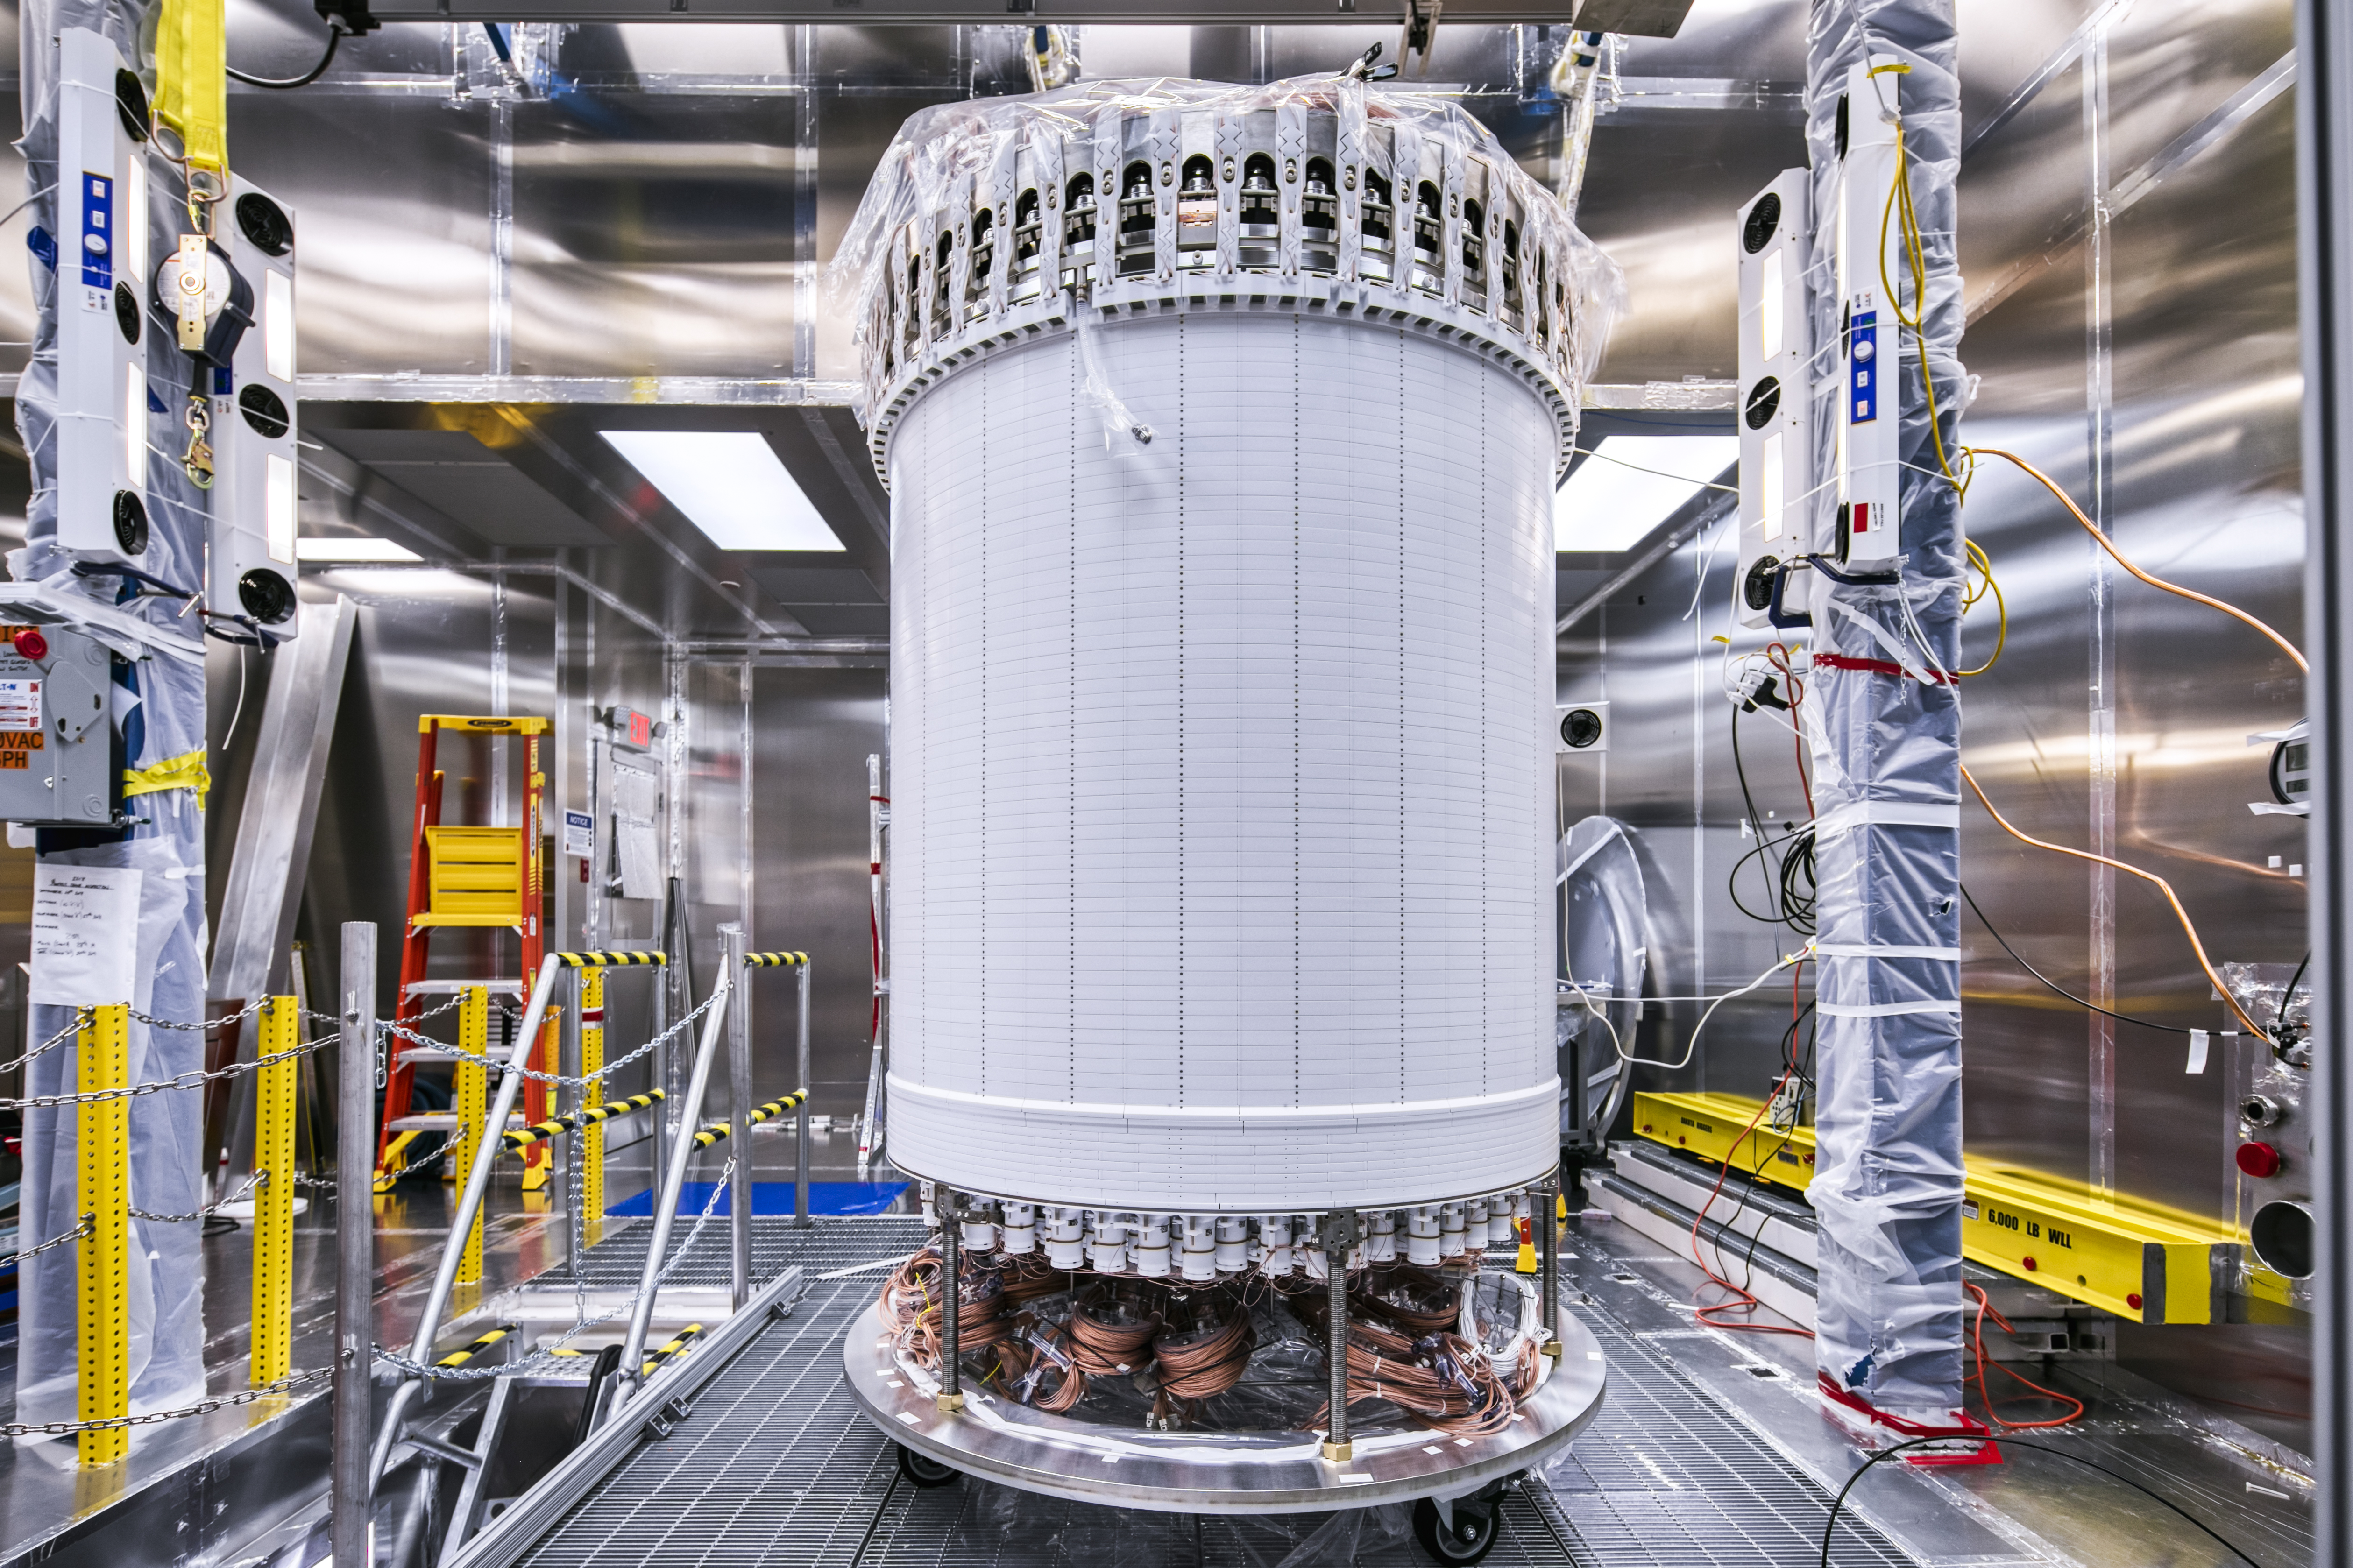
103	1049
610	960
462	1356
592	1067
537	1167
719	1131
273	1196
675	1347
471	1103
775	960
558	1126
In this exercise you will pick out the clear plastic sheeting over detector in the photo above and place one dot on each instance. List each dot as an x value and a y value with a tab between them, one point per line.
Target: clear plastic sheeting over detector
1002	213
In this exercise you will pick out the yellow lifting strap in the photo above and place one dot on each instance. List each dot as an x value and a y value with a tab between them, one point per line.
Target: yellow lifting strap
192	80
185	772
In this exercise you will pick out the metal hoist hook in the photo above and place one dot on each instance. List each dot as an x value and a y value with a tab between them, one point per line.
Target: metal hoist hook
198	458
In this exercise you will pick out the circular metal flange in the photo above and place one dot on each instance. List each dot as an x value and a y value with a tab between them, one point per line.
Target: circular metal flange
1212	1472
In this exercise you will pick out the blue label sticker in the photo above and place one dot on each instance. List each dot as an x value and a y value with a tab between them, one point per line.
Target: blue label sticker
97	231
1863	355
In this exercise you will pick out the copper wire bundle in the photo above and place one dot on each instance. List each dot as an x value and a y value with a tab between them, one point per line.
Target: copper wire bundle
1205	1361
1413	1300
1035	1365
1441	1377
1103	1346
910	1303
1029	1278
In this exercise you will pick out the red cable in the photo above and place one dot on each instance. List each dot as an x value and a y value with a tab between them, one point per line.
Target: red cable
1747	1301
1977	1343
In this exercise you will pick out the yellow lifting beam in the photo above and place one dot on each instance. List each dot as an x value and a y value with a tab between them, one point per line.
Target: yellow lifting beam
471	1103
2138	1260
273	1198
103	1052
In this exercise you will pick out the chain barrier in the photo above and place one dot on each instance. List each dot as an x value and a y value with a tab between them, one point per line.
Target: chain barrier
259	1179
192	1078
497	1065
52	1043
239	1016
205	1408
80	1229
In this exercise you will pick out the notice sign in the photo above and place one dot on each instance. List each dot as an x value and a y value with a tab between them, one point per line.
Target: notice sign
85	935
20	705
577	826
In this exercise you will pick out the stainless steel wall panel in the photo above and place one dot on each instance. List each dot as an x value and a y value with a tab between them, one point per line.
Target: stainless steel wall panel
812	731
393	195
628	205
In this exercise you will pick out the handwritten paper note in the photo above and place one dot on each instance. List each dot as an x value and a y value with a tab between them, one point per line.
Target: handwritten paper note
85	935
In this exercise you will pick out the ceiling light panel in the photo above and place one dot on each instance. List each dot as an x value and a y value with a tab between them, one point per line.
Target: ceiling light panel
1631	484
728	483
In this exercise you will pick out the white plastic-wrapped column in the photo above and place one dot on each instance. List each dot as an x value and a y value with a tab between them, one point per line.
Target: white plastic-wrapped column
1221	791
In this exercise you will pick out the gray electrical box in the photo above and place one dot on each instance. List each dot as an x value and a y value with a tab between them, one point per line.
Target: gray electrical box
56	733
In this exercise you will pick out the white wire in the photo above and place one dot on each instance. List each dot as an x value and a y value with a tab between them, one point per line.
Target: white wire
1603	1014
1693	1043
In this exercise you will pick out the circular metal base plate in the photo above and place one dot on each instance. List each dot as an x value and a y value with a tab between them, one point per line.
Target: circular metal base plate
1212	1472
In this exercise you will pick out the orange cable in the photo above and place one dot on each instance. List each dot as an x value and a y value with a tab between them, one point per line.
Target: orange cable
1976	1343
2162	886
2109	545
1748	1301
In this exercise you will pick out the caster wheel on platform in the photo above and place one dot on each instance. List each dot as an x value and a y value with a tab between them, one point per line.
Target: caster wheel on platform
921	1470
1471	1537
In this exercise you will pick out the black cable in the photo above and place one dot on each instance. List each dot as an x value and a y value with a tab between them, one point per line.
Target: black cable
1840	1502
334	37
2279	1019
1794	909
2061	990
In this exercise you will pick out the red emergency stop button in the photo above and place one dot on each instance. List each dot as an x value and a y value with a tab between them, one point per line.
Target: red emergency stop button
2260	1159
32	645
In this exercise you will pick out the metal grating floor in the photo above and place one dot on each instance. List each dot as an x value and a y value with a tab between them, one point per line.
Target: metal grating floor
776	1465
619	1260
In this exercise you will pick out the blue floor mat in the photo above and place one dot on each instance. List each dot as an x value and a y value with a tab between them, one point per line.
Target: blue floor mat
777	1198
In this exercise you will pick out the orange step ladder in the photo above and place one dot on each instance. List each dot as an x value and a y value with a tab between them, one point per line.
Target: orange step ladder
466	874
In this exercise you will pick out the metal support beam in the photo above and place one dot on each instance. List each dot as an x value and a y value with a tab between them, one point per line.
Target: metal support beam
2324	114
950	1212
739	1110
354	1243
801	1113
1339	1239
272	855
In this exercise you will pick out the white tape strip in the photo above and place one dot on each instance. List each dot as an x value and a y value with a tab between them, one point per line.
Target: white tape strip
1884	1009
2197	1052
1887	814
1887	950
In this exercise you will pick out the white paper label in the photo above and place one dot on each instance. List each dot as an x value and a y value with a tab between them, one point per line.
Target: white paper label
577	827
85	935
2197	1052
20	705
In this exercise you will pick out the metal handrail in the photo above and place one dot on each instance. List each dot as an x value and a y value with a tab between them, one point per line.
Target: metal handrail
469	1203
682	1149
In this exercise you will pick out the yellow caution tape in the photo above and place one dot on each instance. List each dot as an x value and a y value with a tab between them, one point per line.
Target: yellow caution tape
187	772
